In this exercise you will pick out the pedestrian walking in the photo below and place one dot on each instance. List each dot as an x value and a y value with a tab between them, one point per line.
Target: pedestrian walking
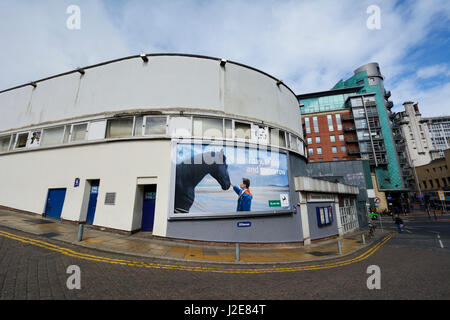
399	222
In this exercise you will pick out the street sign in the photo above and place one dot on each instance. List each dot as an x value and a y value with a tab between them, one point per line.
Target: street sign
441	195
377	200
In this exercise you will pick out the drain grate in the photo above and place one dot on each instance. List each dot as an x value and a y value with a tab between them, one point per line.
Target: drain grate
319	254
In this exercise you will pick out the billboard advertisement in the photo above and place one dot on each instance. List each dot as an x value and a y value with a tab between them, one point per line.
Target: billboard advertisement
222	179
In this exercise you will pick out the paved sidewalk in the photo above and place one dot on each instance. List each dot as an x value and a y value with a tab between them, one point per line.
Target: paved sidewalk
144	245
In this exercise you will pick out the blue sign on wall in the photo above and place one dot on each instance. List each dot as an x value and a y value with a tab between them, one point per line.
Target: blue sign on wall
77	182
244	224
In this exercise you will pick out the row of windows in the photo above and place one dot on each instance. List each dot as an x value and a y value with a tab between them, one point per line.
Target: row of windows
333	150
330	123
445	183
152	126
332	139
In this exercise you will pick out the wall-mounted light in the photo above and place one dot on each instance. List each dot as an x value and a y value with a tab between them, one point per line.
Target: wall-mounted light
144	57
279	82
34	84
81	71
223	62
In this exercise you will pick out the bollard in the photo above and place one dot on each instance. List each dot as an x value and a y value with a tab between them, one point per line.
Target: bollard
238	253
339	246
363	238
80	231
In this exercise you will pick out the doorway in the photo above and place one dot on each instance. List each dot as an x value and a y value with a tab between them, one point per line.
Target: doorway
93	194
55	202
148	207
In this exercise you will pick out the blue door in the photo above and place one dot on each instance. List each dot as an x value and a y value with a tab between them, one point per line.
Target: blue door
92	201
55	202
148	208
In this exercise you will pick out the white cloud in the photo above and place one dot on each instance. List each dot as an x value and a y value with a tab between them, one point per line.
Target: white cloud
310	45
433	71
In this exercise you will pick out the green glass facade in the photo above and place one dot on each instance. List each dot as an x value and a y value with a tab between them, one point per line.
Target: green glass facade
388	176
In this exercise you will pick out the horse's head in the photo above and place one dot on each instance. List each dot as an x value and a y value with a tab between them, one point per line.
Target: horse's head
220	169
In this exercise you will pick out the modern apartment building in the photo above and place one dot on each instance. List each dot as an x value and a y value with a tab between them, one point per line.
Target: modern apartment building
357	110
439	128
414	146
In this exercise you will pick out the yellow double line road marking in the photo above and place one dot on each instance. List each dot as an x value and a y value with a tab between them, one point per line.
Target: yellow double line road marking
141	264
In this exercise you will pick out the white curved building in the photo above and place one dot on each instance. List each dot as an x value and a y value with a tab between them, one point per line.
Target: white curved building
101	144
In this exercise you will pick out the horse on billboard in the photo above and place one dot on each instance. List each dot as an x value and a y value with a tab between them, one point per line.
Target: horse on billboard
190	173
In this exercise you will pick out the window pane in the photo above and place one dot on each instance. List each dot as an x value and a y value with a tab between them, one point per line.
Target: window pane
52	136
35	139
242	130
294	144
66	134
205	127
118	128
138	126
180	127
22	140
228	129
4	143
315	124
155	125
78	132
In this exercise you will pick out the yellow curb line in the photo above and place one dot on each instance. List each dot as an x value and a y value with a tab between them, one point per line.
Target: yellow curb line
140	264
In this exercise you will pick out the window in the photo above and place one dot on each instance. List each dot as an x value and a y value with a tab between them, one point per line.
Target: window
335	159
78	132
229	129
315	124
52	136
35	138
277	137
332	139
180	127
319	150
320	159
334	149
341	137
424	184
155	125
307	125
324	216
21	140
309	140
119	128
338	122
330	123
96	130
242	130
138	126
343	149
310	151
317	139
4	143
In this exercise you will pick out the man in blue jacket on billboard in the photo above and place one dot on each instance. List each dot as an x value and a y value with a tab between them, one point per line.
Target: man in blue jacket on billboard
245	196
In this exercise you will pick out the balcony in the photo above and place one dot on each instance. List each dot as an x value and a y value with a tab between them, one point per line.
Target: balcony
389	105
387	94
351	140
353	152
349	129
348	117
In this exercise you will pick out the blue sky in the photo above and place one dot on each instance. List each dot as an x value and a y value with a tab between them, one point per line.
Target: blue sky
310	45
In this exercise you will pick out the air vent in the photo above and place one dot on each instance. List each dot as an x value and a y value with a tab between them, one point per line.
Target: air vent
110	198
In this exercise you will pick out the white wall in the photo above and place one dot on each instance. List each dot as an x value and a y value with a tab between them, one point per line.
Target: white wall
26	177
165	82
